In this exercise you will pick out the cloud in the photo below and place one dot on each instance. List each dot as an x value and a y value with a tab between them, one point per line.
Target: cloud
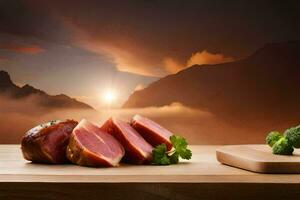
171	65
199	58
26	114
199	127
135	62
139	87
125	53
132	49
24	106
27	49
139	43
205	57
147	62
128	55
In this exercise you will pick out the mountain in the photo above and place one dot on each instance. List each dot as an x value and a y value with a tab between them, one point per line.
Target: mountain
264	86
11	90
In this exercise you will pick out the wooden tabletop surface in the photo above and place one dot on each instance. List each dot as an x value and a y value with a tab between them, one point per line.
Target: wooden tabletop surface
202	168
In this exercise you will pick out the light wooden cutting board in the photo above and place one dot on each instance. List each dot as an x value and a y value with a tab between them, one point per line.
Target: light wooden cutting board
258	158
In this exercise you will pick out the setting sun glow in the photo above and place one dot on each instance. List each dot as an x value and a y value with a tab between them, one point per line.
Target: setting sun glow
109	96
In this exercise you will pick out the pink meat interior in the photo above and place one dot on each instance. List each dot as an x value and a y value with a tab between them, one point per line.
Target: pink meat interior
151	125
97	141
133	136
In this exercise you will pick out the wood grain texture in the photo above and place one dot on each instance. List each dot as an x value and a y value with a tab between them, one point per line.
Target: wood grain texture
201	178
258	158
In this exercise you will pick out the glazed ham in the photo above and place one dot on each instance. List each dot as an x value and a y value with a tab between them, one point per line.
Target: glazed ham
138	151
47	142
90	146
151	131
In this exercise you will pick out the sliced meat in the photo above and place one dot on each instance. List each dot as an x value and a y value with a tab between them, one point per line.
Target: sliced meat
90	146
151	131
138	151
46	143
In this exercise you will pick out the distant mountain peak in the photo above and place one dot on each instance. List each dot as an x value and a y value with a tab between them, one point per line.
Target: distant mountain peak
5	79
9	89
28	89
4	73
27	86
264	83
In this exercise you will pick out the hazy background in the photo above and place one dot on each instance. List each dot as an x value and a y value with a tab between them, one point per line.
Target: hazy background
216	72
197	126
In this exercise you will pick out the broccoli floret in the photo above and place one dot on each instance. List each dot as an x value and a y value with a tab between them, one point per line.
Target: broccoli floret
293	135
273	137
283	147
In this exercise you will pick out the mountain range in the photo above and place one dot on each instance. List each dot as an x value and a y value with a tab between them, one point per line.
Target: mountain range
263	86
11	90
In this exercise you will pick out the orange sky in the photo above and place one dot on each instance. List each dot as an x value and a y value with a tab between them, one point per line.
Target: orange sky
85	48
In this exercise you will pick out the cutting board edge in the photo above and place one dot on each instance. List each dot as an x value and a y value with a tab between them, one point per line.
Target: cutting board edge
228	159
255	165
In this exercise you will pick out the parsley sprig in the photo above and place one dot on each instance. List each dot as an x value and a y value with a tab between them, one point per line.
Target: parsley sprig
161	156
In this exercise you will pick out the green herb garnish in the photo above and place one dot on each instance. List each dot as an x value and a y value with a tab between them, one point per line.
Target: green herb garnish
161	156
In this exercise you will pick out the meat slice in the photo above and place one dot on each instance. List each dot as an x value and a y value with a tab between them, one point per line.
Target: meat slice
138	151
47	143
151	131
90	146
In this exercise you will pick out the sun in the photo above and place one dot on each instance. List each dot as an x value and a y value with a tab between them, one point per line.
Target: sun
109	96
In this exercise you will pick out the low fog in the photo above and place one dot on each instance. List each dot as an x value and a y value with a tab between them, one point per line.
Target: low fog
199	127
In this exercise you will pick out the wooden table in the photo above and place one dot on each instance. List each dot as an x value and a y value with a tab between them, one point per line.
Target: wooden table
200	178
